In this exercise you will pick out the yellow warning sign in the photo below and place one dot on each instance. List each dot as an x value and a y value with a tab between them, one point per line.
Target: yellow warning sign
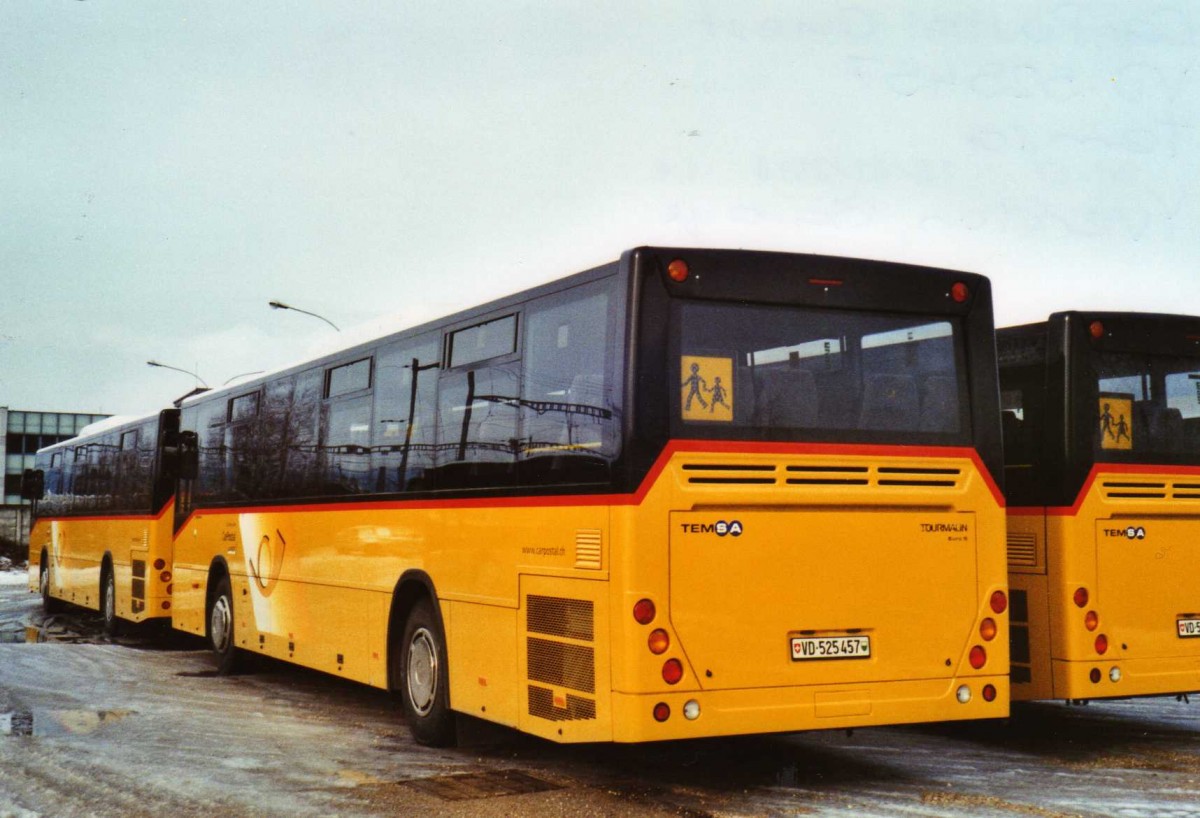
707	388
1116	421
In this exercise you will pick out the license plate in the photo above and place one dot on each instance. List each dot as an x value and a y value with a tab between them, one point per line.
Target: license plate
1188	627
832	647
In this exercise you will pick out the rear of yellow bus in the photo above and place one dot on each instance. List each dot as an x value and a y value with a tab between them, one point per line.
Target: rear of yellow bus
817	537
1114	608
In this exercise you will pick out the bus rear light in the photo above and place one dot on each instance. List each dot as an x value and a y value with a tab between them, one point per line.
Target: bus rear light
959	292
978	657
659	641
1095	675
691	710
1096	330
662	711
170	590
987	629
672	671
678	270
1081	597
989	693
963	694
1091	620
826	282
166	606
165	576
160	564
999	602
1102	644
1114	675
643	611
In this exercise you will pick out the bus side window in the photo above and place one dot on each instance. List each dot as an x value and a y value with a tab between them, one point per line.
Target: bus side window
405	415
1022	399
567	418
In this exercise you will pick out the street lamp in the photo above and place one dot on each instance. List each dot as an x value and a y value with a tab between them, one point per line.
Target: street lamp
279	305
243	375
177	369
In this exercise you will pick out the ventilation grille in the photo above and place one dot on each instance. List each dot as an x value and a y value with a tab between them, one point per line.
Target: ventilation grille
555	616
822	474
1022	549
1161	489
569	708
560	659
587	549
1020	666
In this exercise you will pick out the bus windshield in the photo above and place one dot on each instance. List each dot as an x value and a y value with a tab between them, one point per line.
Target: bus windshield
790	373
1147	407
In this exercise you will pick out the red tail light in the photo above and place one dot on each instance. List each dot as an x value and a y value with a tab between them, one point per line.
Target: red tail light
1095	675
959	292
987	629
662	711
160	564
643	611
978	657
1081	597
672	671
659	641
678	270
1091	620
1102	644
999	602
1096	330
989	693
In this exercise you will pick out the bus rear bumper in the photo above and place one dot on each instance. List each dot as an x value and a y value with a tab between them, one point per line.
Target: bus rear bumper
778	710
1133	677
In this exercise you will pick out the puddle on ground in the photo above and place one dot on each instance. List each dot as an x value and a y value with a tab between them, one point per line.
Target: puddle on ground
490	784
46	723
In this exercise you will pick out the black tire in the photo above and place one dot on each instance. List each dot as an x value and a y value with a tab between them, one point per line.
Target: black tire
221	628
422	677
108	602
49	604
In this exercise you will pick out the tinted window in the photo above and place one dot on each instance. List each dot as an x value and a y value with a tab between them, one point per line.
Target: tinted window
479	440
1145	406
766	372
490	339
352	377
405	415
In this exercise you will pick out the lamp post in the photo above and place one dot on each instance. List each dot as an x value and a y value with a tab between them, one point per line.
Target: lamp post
177	369
243	375
279	305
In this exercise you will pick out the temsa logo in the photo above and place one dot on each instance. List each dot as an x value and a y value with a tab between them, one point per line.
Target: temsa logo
1129	533
722	528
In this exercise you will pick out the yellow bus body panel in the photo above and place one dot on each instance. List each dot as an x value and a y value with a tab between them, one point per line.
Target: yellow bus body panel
536	594
75	548
1138	557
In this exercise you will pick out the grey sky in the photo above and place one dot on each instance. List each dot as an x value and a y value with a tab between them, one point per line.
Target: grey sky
167	168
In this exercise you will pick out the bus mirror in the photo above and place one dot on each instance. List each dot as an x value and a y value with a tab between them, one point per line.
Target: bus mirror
188	462
33	484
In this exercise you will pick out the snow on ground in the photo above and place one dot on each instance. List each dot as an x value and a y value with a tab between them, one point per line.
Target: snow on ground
20	577
142	726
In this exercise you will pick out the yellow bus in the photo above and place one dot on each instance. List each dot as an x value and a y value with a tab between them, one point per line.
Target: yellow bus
1101	416
687	493
101	537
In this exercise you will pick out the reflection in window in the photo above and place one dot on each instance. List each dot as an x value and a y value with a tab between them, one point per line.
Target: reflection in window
482	341
478	439
799	369
1145	406
352	377
405	415
345	446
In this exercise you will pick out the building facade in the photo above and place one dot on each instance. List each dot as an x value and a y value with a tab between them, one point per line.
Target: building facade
22	433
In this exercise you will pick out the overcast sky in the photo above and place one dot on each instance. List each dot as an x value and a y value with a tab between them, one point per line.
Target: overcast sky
168	168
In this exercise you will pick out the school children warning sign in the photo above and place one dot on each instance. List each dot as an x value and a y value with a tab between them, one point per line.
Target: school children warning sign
707	388
1116	421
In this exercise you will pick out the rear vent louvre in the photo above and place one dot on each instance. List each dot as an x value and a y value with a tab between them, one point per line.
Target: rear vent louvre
564	618
1160	489
1022	549
820	474
588	549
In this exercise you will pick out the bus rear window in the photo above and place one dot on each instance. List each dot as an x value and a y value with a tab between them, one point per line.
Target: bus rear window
787	373
1146	405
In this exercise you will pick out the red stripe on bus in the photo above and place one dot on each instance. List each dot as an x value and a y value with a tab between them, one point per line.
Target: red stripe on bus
637	497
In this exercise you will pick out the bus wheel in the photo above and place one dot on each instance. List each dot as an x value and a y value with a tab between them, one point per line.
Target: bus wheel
424	680
108	603
220	628
49	604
